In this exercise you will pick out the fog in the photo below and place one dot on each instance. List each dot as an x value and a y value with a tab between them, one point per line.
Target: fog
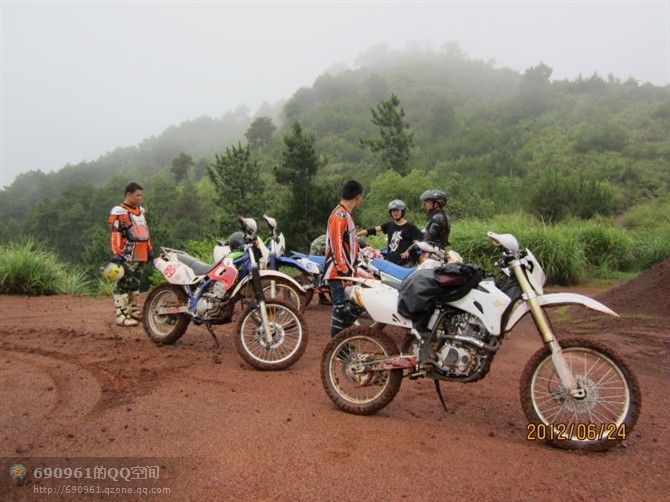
82	78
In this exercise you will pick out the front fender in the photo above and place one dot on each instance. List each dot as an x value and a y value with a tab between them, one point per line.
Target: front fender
555	300
280	275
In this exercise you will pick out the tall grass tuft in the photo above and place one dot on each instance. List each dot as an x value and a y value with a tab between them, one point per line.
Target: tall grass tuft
77	283
557	248
27	268
606	247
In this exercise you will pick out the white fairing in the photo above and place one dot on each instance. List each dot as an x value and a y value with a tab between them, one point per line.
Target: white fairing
486	302
555	300
221	250
175	271
310	266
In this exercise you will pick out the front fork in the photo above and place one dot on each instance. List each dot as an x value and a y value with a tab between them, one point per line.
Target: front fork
260	300
542	322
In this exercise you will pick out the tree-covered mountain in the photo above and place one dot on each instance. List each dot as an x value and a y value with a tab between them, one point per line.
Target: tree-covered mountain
496	140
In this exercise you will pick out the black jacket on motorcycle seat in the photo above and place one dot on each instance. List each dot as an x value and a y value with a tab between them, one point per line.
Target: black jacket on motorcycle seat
424	288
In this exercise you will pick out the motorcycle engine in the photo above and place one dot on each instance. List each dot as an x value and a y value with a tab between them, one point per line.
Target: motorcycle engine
210	304
464	335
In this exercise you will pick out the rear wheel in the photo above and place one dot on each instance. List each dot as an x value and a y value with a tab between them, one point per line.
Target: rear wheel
288	341
165	329
602	418
343	376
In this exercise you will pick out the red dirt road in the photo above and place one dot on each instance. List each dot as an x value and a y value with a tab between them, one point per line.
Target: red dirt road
75	386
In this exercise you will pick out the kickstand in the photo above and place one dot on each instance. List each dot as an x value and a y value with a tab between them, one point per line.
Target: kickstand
439	394
217	347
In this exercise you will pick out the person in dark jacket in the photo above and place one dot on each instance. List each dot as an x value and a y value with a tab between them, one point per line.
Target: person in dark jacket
439	227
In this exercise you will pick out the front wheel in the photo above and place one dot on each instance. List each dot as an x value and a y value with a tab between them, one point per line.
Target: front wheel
343	373
289	336
165	329
601	419
277	288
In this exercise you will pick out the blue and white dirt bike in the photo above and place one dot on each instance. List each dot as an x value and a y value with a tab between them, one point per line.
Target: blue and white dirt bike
270	334
308	268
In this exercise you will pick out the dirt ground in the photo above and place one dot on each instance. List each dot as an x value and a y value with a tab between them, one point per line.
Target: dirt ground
79	392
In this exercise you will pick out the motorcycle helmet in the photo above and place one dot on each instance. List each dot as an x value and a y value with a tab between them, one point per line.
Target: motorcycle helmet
397	204
437	195
112	272
236	241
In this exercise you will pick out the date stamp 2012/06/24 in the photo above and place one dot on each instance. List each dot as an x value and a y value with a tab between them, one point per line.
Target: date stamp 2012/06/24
576	432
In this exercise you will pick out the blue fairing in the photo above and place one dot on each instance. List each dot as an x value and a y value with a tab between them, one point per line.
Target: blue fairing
319	260
392	269
290	262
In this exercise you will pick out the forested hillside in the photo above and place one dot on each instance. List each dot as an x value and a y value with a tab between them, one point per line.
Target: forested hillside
496	140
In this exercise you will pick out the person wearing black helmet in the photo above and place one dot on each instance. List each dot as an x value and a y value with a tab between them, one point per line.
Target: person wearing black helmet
439	227
401	234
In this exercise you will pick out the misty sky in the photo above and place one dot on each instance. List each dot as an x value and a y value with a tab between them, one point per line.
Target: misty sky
82	78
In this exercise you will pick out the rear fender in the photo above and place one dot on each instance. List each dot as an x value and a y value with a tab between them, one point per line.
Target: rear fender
556	300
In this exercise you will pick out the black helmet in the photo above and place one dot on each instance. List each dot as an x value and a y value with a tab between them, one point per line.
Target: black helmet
397	204
437	195
236	241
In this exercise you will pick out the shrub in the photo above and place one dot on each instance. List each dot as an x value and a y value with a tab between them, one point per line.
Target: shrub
27	268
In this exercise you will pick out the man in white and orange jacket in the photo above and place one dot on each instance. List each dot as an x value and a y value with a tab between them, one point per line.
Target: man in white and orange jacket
341	255
131	247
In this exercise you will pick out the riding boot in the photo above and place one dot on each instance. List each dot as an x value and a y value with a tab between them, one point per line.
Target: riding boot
341	317
133	309
426	356
123	318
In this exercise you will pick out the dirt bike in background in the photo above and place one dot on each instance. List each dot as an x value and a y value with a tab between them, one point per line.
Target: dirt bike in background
275	285
308	269
270	334
576	393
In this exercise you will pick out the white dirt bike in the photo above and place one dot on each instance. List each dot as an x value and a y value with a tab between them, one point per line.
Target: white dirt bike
270	333
576	394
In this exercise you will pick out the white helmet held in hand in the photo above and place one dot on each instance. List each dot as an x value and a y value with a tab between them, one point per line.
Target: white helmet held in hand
112	272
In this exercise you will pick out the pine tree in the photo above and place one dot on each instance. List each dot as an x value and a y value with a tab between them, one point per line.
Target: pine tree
240	188
297	171
395	142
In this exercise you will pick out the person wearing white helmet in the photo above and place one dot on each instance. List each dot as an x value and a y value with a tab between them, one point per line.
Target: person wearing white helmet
131	247
401	234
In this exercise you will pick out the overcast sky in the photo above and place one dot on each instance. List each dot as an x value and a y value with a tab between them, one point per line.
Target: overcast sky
82	78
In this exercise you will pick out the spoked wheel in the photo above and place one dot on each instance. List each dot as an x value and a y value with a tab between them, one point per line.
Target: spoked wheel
165	329
283	290
343	373
600	419
289	336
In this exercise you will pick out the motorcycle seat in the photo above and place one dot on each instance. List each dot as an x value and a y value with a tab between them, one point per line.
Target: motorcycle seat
392	269
200	268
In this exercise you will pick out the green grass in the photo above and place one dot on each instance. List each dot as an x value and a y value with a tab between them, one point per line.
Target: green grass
27	268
